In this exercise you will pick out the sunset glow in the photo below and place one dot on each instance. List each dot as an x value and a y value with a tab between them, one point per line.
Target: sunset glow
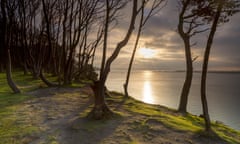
147	52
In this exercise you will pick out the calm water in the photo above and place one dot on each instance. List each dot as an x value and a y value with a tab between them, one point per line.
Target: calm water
164	88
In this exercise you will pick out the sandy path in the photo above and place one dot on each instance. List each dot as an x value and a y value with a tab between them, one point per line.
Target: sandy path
53	110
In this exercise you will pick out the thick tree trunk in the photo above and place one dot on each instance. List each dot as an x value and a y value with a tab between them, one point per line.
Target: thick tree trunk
100	110
205	69
10	81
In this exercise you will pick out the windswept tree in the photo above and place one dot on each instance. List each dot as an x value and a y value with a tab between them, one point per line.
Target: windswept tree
221	11
100	109
190	23
144	17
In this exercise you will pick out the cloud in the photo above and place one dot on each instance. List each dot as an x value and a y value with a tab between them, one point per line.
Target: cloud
160	34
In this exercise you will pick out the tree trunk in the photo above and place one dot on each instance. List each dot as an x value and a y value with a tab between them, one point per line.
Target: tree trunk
1	68
189	68
35	72
48	83
25	69
100	110
125	86
11	84
205	69
188	80
9	74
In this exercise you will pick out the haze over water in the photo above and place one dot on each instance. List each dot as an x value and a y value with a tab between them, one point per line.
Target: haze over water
164	88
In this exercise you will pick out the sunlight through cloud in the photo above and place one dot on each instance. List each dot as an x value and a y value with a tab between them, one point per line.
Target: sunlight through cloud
147	52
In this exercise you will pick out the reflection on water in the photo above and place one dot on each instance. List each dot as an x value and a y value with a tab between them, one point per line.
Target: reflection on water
147	92
147	74
164	88
147	95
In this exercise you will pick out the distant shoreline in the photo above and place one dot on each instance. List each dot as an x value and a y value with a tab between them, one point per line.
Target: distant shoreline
196	71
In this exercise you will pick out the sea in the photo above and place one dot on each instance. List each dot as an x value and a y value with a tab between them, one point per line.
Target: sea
164	88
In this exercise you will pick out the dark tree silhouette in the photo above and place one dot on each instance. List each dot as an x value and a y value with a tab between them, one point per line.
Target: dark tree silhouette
101	109
190	23
5	46
144	17
222	9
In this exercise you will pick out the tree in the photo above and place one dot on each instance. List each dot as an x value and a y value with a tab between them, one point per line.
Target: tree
67	25
4	44
33	40
101	109
155	7
222	9
190	23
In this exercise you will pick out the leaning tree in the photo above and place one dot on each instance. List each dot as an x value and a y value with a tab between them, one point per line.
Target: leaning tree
190	23
100	109
7	10
221	10
145	14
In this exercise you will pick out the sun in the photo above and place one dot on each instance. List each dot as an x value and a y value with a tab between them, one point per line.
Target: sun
147	52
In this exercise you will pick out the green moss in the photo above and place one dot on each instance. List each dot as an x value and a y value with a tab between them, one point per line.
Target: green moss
141	108
172	119
12	130
9	99
228	134
181	123
134	142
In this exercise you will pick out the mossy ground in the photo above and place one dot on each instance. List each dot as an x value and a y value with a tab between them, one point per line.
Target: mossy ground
58	115
185	123
14	128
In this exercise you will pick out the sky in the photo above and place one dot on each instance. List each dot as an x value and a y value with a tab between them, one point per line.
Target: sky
166	47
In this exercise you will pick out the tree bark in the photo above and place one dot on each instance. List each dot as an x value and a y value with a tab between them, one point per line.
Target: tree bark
205	68
9	74
1	68
100	109
48	83
188	79
188	56
125	85
10	81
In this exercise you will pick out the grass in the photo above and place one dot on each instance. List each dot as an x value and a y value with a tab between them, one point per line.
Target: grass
188	122
14	129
